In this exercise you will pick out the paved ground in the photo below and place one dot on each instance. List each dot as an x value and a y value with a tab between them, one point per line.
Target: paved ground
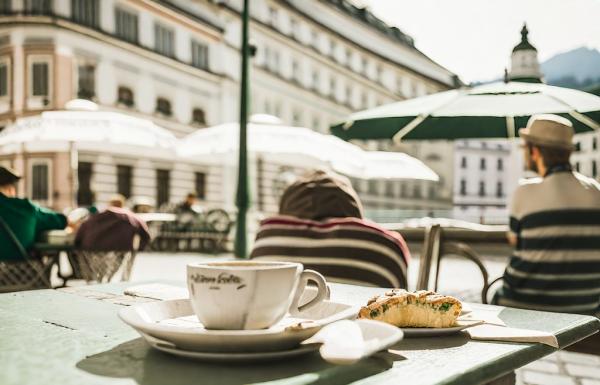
458	276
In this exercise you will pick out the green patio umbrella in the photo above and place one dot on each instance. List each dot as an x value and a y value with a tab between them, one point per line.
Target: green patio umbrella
495	110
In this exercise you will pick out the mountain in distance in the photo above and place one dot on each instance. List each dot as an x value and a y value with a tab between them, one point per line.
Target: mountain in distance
578	68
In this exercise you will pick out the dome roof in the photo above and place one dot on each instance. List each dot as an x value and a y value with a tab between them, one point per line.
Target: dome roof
524	45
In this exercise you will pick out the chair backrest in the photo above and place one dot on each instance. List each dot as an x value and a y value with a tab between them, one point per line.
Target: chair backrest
348	250
5	228
24	274
101	266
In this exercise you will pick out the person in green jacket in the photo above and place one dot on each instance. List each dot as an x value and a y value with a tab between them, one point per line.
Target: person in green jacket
26	219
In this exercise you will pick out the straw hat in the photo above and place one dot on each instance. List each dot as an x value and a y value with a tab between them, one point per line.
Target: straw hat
549	131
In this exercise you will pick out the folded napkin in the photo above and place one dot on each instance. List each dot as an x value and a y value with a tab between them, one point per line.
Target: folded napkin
158	291
502	333
490	317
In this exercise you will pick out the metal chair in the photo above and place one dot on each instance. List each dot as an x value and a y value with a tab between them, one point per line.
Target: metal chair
435	248
101	266
24	274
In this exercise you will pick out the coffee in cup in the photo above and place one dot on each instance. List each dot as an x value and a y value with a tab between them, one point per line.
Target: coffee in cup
241	295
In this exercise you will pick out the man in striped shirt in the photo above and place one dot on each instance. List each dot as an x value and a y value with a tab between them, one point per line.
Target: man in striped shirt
554	226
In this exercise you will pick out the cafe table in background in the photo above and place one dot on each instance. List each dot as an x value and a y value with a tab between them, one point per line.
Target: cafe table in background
73	336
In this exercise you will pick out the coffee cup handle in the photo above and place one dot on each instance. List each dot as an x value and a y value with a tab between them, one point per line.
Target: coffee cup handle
322	293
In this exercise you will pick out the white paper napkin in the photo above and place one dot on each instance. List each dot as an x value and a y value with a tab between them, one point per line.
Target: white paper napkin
158	291
488	316
502	333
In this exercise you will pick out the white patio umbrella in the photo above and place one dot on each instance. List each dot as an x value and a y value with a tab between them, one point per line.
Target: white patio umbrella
267	136
81	123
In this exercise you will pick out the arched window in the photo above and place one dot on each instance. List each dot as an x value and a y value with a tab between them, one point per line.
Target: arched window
198	116
125	96
163	106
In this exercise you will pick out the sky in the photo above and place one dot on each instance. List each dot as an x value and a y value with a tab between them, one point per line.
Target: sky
474	38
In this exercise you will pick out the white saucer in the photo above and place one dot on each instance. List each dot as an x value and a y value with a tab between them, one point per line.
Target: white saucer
434	332
169	348
174	322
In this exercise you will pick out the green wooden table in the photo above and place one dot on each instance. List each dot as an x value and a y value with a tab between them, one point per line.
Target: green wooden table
73	336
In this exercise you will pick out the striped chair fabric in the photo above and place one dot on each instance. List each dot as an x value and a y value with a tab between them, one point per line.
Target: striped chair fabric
346	250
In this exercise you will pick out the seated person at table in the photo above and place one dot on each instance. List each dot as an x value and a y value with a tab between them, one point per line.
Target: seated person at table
113	229
554	227
26	219
320	224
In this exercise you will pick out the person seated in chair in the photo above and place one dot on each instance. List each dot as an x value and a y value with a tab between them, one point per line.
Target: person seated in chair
320	224
554	222
26	219
115	228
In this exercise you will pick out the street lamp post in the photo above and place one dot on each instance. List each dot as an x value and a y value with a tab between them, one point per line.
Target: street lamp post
242	195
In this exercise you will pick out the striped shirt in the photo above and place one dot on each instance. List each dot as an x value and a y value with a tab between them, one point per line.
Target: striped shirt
556	263
347	250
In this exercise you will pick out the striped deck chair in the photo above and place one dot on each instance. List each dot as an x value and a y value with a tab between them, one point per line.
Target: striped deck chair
345	250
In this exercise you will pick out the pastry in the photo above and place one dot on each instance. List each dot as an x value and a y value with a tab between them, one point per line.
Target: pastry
422	309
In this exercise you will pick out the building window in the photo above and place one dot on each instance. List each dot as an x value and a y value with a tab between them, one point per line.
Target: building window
296	75
86	12
364	65
39	79
163	184
332	49
499	190
402	189
126	25
500	164
348	95
314	37
315	79
295	29
86	88
38	7
199	55
379	74
389	189
372	189
463	187
297	118
124	177
85	196
163	107
417	191
594	143
432	192
5	7
4	79
594	169
164	40
273	16
198	116
200	185
125	96
577	166
482	164
332	86
40	190
481	189
463	162
316	124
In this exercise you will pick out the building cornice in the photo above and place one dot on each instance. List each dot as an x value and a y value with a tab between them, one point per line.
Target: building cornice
348	41
110	38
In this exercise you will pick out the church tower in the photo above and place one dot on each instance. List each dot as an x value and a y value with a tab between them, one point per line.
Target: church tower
525	66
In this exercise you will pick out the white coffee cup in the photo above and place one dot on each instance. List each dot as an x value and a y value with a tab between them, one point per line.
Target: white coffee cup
249	294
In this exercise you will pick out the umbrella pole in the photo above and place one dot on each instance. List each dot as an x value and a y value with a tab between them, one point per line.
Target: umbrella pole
242	196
